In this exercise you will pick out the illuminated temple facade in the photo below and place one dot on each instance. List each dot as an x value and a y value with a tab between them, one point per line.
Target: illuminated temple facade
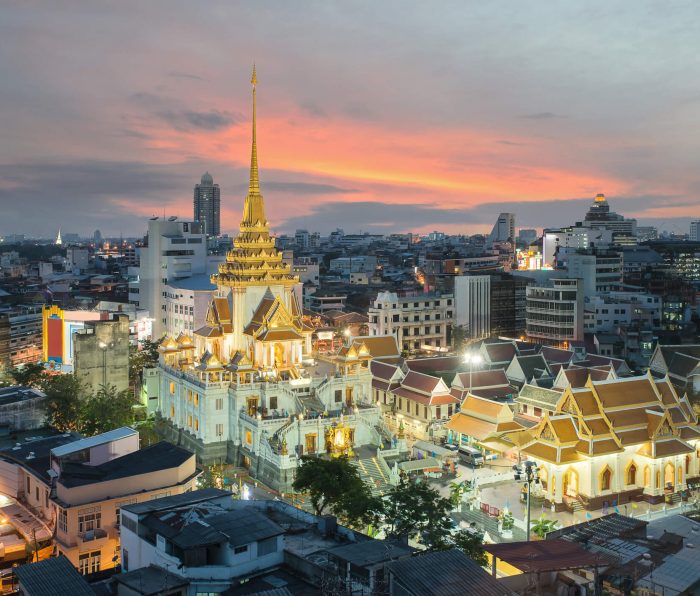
616	441
246	388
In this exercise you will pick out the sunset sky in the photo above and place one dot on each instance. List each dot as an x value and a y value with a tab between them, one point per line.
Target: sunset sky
373	116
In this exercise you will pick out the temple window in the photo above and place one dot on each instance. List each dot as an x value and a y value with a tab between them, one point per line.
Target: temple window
632	474
606	479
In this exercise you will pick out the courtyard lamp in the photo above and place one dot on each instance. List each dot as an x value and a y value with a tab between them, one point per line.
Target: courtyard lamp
472	358
529	473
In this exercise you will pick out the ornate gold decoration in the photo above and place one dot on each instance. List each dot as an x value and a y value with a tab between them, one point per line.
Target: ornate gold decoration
339	440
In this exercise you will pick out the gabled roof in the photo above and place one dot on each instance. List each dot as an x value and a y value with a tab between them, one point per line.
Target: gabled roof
381	347
481	379
424	383
502	352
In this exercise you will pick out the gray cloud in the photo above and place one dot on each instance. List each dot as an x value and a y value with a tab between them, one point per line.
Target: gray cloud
541	116
184	75
190	120
511	143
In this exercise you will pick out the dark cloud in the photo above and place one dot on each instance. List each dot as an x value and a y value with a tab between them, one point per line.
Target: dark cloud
190	120
511	143
184	75
82	195
541	116
390	217
312	109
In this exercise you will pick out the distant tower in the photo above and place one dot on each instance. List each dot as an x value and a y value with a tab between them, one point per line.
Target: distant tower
207	205
503	230
97	238
58	238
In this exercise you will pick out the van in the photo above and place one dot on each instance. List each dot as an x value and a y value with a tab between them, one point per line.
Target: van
471	456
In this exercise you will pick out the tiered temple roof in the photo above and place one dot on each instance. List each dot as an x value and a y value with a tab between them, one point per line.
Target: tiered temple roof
605	417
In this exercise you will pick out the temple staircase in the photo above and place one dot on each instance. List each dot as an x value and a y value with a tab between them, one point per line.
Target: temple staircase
372	473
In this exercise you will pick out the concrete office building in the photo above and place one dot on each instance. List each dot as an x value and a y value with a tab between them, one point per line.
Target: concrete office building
420	322
600	271
694	231
101	353
503	230
174	250
473	305
554	312
186	304
207	205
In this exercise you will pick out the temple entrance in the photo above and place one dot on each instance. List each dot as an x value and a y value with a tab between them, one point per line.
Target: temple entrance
571	483
348	397
252	406
311	443
669	476
279	355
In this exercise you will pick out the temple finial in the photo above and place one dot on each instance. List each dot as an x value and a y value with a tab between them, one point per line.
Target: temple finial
254	186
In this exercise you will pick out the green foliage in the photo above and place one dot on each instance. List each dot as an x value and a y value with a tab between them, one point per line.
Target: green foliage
335	485
106	410
543	526
64	397
415	508
28	375
471	544
507	521
139	358
72	407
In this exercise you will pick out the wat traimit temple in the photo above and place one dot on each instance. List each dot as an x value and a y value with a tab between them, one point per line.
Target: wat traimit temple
616	441
246	388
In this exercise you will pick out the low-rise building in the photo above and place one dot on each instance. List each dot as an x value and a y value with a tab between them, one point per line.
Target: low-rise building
420	322
78	487
101	353
21	408
20	336
554	312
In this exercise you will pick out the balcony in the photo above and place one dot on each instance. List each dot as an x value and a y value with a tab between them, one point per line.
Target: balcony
93	535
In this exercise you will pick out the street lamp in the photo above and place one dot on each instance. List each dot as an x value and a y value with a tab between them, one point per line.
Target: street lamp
103	346
472	358
530	473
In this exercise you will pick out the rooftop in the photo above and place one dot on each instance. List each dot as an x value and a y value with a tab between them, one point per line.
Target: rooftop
12	395
101	439
52	576
160	456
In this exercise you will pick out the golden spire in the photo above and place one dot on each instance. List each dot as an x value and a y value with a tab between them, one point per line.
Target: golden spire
254	186
254	208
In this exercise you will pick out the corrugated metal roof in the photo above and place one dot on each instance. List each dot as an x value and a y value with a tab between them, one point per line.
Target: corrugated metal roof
112	435
52	576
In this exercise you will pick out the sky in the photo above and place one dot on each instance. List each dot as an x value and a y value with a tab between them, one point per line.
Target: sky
389	116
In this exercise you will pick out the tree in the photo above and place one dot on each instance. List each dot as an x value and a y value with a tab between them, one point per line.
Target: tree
106	410
64	397
543	526
416	508
28	375
471	543
139	358
335	485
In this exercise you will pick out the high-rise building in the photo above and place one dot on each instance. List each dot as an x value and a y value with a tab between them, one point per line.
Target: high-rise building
101	353
207	205
174	250
97	238
503	230
600	271
694	231
600	216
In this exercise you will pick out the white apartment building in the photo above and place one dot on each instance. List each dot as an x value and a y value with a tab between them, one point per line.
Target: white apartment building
473	304
422	322
186	304
600	272
607	312
176	250
694	231
554	312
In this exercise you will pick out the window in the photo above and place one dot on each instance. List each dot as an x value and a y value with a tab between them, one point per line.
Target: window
125	560
241	549
267	546
219	430
172	388
605	479
632	474
438	412
273	402
89	519
219	403
63	520
338	395
89	562
29	486
249	437
196	400
189	420
172	411
196	424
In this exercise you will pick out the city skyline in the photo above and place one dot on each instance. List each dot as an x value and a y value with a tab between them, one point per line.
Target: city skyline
444	132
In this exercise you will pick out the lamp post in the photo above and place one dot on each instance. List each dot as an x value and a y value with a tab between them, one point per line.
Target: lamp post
103	346
472	358
530	473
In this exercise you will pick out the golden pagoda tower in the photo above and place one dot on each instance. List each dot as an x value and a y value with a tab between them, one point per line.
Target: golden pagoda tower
252	278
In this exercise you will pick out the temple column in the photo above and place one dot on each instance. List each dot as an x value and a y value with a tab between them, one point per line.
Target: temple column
559	475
